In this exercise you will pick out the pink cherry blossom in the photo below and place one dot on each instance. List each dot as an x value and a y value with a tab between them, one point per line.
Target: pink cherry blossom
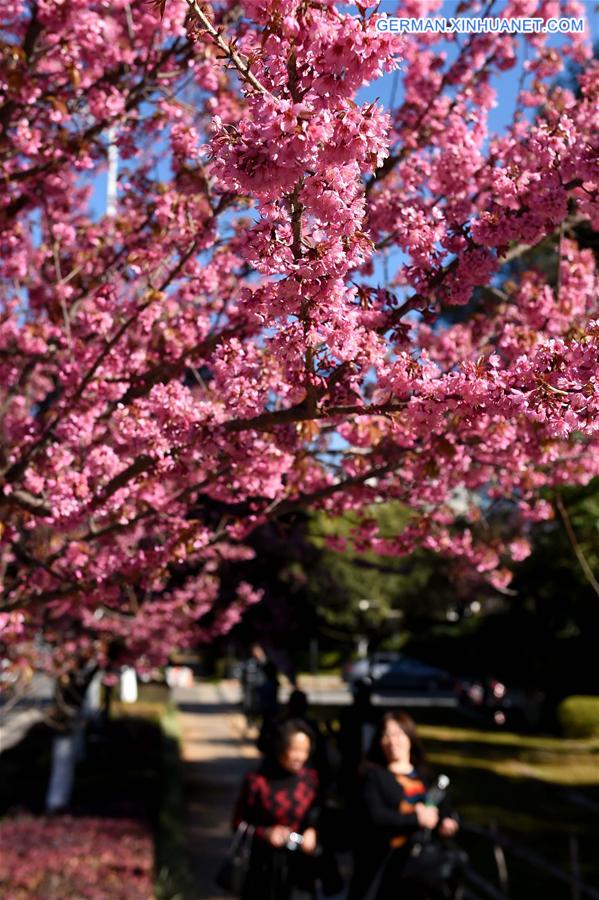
259	320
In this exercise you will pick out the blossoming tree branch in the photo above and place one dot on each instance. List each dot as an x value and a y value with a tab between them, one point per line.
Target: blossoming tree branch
225	294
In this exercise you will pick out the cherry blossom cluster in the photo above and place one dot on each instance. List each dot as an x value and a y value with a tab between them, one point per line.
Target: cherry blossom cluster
229	288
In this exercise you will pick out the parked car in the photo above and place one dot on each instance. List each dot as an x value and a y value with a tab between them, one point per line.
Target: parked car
386	672
369	667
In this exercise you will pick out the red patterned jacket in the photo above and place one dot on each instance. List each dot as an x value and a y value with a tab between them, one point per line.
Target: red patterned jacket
273	796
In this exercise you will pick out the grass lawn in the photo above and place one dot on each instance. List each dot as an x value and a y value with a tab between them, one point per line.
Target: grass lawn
538	790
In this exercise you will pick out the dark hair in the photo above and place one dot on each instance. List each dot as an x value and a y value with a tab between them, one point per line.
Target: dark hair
407	724
284	732
297	703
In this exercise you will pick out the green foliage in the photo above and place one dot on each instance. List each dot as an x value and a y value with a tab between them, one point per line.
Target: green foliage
542	638
553	572
337	580
330	661
556	598
579	717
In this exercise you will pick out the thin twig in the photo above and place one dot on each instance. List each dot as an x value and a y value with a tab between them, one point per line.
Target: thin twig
240	63
584	565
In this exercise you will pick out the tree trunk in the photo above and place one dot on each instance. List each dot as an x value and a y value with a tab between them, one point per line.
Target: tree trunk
60	787
68	744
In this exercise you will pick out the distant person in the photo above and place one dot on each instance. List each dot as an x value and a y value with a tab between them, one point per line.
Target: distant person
394	813
281	799
356	728
260	686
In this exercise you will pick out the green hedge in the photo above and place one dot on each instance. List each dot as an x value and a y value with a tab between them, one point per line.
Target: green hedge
173	875
579	717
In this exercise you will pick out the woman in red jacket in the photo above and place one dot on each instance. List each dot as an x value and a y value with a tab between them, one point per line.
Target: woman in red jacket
280	800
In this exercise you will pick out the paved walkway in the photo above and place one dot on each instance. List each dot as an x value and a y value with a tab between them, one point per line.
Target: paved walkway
19	713
217	755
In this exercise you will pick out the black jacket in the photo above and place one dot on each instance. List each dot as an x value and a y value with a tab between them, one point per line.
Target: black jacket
380	820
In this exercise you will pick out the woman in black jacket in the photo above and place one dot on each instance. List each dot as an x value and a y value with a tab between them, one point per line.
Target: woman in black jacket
281	800
394	812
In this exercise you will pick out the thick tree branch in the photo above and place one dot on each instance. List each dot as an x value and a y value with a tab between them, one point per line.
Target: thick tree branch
27	501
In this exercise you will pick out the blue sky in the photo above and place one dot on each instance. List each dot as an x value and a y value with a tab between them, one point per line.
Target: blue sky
508	81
